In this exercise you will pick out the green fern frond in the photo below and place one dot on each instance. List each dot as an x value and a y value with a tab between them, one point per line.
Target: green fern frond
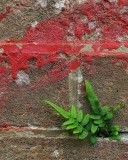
97	124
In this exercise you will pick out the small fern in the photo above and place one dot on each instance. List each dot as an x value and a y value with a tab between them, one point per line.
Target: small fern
97	124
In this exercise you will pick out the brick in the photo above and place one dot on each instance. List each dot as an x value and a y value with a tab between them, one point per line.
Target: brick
32	146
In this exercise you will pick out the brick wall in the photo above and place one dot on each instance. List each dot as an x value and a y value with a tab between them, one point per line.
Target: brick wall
47	49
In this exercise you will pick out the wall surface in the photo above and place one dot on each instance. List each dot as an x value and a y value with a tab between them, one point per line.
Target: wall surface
47	49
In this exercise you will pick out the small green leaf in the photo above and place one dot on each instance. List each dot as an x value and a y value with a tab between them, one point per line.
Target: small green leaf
80	116
94	129
89	90
72	126
108	116
95	116
93	98
115	138
101	135
78	130
122	106
88	126
115	109
93	139
73	111
85	120
104	110
83	135
70	121
115	133
98	121
61	111
102	124
116	128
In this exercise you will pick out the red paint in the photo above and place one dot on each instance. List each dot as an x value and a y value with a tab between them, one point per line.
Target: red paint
74	64
19	129
18	58
7	124
107	16
88	58
51	36
110	46
114	62
6	14
123	2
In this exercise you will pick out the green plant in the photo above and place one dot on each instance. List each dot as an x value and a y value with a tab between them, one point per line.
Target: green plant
97	124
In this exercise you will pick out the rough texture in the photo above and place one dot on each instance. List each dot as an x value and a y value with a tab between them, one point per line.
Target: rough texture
69	20
110	83
47	49
29	147
24	106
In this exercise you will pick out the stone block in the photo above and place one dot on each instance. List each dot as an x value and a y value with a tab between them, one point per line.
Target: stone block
21	98
34	146
109	78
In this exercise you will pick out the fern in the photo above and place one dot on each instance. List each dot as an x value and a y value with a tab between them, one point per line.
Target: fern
97	124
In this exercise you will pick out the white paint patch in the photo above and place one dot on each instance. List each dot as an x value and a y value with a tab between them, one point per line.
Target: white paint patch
1	50
42	128
19	45
59	5
80	79
113	0
43	3
98	32
33	24
56	153
81	1
119	39
92	24
22	78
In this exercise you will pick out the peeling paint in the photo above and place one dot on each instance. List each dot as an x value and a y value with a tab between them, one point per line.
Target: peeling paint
1	50
34	24
22	78
56	153
43	3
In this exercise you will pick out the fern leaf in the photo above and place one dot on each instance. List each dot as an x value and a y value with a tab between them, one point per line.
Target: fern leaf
70	121
88	126
80	116
104	110
79	129
85	120
98	121
93	139
83	135
108	116
115	138
95	116
94	129
73	111
102	124
72	126
93	98
61	111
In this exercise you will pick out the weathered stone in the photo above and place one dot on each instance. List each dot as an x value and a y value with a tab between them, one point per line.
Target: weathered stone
24	106
110	83
38	148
